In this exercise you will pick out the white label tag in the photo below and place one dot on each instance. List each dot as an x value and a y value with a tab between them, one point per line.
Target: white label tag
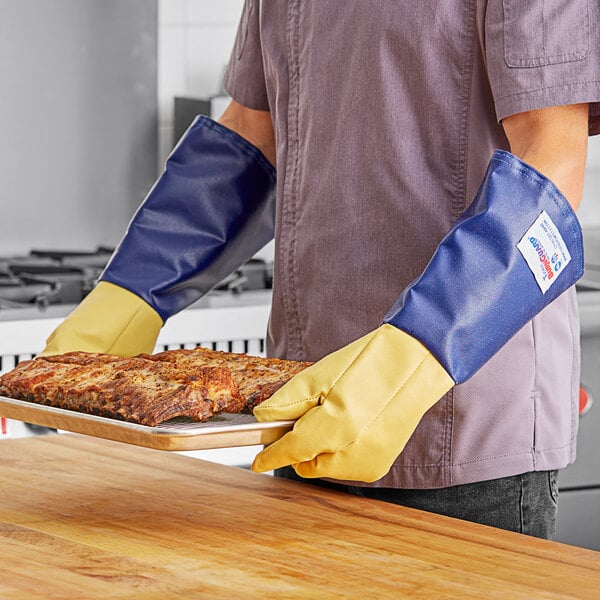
545	251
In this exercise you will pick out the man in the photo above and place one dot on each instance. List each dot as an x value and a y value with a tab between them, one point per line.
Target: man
447	342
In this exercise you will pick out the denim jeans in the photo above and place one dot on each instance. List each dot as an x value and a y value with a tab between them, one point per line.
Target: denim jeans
524	503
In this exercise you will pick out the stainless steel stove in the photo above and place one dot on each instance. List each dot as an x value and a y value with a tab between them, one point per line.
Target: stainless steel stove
48	277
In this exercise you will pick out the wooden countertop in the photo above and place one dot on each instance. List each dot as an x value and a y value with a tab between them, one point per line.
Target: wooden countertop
85	518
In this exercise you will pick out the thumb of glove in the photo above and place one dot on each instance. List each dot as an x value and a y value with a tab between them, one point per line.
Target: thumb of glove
308	388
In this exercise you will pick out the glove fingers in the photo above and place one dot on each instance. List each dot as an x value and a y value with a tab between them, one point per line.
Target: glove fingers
289	449
336	466
316	433
327	461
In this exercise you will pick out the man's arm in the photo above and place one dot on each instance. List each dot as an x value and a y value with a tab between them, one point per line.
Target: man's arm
255	126
516	249
554	141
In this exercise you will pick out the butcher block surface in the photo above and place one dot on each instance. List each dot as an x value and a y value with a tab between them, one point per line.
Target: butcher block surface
82	517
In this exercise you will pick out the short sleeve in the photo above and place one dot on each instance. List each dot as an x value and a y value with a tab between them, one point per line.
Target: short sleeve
244	78
543	53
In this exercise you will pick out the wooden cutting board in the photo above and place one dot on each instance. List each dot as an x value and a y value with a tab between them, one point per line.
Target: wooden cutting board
87	518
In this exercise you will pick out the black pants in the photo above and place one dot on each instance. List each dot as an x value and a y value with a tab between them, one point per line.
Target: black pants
524	503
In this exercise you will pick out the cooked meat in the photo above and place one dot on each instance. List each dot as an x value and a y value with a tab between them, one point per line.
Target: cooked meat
150	389
256	378
132	389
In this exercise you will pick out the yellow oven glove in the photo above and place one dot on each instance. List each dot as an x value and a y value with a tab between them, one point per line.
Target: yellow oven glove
355	408
110	319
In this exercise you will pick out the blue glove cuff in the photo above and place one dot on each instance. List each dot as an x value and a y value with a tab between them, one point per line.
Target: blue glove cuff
516	248
212	209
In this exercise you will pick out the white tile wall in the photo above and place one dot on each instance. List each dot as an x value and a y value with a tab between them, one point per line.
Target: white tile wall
77	120
593	161
589	210
195	38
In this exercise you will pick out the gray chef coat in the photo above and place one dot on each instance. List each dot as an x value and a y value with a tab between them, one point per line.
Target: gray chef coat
386	114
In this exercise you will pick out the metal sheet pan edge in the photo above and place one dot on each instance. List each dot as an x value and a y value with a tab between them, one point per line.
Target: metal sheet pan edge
225	431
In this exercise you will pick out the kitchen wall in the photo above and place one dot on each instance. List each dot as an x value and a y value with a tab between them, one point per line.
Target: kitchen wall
589	211
86	112
78	114
195	38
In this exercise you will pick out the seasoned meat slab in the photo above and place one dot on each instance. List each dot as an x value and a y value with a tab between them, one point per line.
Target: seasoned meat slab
131	389
150	389
257	378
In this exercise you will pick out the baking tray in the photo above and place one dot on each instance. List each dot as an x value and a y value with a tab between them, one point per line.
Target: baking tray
222	431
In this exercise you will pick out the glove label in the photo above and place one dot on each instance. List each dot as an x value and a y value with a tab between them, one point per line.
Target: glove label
545	251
